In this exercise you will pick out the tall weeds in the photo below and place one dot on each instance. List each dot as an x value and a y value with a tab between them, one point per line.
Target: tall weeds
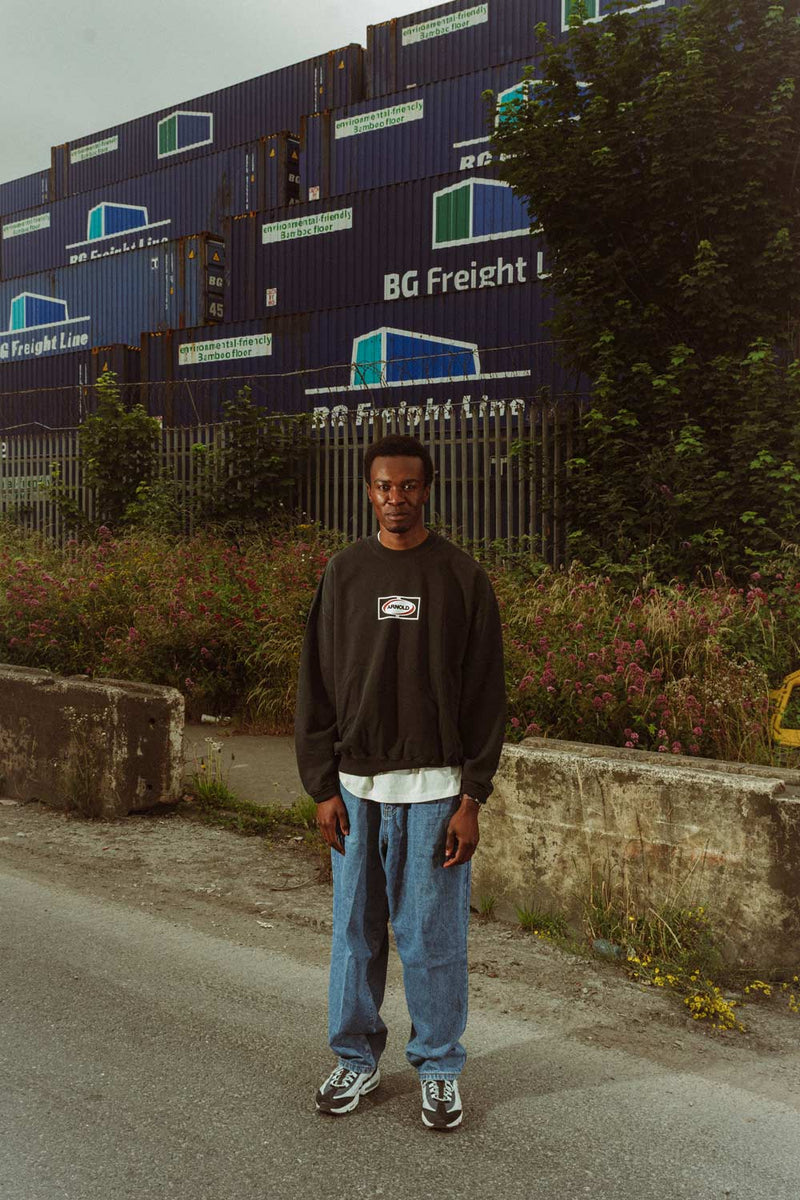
672	668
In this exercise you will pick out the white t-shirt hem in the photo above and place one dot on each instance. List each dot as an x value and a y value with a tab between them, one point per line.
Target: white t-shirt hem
417	785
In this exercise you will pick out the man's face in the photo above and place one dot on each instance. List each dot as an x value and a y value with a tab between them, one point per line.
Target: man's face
398	493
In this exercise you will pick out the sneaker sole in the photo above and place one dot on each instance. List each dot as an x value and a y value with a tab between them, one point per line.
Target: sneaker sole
442	1128
369	1086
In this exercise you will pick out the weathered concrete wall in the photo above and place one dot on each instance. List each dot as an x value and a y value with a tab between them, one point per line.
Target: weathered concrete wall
102	748
671	830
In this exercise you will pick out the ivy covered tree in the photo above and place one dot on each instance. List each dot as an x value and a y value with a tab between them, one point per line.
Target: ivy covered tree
661	157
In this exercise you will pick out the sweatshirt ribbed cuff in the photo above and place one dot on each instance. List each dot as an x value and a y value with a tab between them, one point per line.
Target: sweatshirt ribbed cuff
321	797
479	791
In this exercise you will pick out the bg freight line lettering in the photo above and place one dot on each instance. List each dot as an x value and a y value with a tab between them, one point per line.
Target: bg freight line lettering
55	343
398	286
140	243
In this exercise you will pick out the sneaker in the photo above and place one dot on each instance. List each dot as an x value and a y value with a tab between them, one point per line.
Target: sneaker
441	1104
342	1090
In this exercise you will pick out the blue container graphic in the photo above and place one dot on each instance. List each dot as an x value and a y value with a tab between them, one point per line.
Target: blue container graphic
433	236
113	300
30	311
416	352
56	392
107	218
461	37
168	204
216	121
26	192
386	357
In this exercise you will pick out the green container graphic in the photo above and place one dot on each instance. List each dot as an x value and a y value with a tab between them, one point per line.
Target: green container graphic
453	215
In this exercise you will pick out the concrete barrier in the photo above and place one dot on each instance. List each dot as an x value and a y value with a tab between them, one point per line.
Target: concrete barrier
666	829
103	748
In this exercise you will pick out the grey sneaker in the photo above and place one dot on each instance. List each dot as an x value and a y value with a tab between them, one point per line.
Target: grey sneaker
441	1103
342	1090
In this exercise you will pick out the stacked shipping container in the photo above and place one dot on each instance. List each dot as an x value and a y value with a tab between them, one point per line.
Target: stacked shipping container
430	130
459	38
375	260
218	120
167	286
431	237
41	393
151	209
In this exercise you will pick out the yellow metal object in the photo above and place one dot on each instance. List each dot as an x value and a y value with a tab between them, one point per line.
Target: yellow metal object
781	695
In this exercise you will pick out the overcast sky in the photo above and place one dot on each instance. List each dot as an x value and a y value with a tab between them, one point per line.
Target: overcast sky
70	67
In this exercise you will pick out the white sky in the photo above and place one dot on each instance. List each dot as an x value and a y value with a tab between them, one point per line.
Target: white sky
70	67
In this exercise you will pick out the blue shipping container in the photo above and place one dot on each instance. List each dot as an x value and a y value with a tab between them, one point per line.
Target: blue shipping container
437	349
25	192
241	113
168	286
152	209
430	130
465	36
437	236
57	392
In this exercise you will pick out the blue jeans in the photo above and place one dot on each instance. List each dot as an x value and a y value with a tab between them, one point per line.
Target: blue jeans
392	871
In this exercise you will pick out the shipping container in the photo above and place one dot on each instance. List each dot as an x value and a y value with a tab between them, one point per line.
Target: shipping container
240	113
437	236
26	192
425	131
465	36
112	300
168	204
57	392
433	350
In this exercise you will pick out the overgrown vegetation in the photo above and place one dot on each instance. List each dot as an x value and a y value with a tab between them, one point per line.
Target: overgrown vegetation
659	157
671	668
674	946
238	482
211	800
243	480
550	925
118	458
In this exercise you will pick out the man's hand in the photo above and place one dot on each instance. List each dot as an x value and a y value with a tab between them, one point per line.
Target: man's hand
462	833
333	823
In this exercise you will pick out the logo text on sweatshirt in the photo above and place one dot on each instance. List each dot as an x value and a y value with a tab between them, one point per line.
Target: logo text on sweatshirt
398	608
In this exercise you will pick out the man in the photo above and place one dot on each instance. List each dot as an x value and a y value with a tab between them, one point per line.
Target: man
400	720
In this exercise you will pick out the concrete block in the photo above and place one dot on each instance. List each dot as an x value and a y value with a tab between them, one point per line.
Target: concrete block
100	747
668	829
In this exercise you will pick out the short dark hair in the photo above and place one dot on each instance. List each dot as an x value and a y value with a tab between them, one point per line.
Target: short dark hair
397	445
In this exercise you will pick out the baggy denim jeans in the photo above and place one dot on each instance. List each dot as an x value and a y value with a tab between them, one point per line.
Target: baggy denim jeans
392	871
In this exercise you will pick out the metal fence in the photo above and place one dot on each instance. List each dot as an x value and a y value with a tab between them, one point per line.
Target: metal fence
501	471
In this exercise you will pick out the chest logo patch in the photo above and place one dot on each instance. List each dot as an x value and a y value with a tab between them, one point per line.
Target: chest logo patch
398	608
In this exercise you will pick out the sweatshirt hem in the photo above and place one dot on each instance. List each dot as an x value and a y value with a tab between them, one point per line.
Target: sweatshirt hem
378	766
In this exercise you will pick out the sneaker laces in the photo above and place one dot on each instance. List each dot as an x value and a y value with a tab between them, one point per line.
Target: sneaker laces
447	1089
343	1077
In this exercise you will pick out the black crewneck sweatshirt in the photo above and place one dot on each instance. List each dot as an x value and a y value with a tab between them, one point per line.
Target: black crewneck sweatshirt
402	666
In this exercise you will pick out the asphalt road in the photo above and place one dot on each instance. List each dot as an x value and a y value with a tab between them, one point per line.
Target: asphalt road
140	1057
